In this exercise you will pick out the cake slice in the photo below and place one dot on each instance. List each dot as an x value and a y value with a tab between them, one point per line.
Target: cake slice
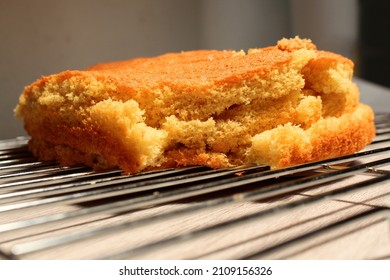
281	105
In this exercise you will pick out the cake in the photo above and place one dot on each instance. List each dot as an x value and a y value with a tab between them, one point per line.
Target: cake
281	105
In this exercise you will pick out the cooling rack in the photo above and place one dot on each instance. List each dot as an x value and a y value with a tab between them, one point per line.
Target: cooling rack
333	209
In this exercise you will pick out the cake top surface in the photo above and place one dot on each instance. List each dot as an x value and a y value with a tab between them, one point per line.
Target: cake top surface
202	67
192	67
193	70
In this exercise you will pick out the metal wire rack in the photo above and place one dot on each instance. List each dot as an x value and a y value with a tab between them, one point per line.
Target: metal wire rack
333	209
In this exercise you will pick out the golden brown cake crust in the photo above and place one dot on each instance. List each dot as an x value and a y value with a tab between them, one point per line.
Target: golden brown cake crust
213	108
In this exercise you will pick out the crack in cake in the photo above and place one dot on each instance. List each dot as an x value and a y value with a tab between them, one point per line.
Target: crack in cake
280	105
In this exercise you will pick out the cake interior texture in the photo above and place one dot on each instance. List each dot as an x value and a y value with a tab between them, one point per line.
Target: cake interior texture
281	105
